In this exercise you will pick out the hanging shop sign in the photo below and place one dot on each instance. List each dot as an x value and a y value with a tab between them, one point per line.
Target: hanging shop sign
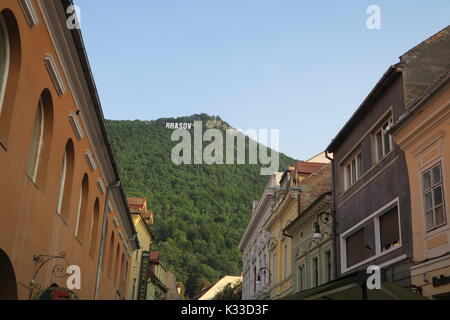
143	275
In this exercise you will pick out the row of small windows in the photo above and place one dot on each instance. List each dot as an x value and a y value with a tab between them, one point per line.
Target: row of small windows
39	150
382	143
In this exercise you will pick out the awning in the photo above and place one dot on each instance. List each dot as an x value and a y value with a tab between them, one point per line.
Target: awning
353	287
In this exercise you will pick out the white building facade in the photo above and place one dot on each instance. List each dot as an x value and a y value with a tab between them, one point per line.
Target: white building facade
255	245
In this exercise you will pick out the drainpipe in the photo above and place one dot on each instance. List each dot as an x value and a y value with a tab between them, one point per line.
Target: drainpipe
333	211
101	251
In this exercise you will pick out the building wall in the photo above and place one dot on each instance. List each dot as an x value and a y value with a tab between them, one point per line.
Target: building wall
29	222
145	241
254	245
219	286
381	183
305	248
425	140
287	209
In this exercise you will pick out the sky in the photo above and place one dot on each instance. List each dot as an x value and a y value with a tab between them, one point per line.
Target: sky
302	67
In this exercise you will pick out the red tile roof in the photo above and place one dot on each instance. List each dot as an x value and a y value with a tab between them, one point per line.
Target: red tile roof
304	167
136	201
154	256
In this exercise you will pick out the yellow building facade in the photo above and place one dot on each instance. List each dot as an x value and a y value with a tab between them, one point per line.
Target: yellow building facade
284	212
423	133
137	290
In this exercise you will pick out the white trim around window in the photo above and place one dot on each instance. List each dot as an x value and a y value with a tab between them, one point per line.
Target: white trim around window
378	252
352	170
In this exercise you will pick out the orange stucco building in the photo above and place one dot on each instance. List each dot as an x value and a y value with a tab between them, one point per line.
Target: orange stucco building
59	189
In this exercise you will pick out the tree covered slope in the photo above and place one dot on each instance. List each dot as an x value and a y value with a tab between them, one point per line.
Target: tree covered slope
201	210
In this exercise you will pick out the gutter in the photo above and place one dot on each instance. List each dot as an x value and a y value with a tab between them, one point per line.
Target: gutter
333	211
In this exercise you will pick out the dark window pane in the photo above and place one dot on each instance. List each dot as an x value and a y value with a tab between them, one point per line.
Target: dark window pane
349	176
387	144
440	216
359	165
430	221
353	171
355	248
389	230
379	146
426	180
437	192
428	201
436	174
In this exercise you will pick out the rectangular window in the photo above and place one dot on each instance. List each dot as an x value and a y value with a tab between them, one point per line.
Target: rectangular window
389	230
285	262
433	195
375	236
352	171
275	269
255	276
300	279
383	141
328	266
315	267
355	248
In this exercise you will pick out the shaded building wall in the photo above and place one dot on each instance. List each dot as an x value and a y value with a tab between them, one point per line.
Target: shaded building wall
29	222
380	184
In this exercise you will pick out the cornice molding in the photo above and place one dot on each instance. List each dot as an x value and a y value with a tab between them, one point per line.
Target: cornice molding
29	12
73	118
101	186
53	71
90	160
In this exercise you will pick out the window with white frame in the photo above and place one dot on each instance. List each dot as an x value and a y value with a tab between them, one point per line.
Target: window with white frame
352	170
4	58
375	236
383	141
433	197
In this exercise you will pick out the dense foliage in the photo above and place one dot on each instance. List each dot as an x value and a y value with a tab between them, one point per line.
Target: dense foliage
230	292
201	210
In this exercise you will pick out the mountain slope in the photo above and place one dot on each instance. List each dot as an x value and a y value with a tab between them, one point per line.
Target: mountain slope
201	210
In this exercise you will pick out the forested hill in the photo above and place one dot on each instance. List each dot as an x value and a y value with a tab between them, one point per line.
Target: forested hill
201	210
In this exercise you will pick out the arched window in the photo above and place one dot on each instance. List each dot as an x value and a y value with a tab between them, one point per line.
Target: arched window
8	284
36	142
123	275
41	139
82	208
117	267
65	181
94	227
4	58
10	62
111	254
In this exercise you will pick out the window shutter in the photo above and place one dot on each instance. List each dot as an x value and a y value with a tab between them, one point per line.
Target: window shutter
389	230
